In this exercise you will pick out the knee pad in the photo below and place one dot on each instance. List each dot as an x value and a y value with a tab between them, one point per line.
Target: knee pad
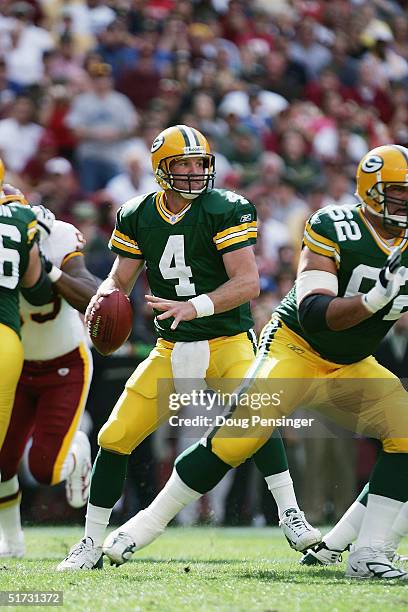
395	445
112	436
41	465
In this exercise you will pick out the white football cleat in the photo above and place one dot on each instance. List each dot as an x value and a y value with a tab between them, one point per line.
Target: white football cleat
82	556
297	530
78	482
369	563
13	549
321	554
119	547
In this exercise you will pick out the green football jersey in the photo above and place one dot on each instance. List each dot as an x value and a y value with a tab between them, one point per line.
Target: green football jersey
346	236
18	228
183	253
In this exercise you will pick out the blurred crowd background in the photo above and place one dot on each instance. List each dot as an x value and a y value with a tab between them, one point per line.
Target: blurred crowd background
290	94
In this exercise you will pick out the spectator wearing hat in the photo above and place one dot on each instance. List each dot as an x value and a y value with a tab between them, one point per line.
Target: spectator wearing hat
102	121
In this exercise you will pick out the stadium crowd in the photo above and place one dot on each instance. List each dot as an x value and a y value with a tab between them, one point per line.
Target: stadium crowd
290	94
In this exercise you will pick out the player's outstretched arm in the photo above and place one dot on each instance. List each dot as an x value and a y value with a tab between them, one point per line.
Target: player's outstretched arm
122	276
318	305
35	285
76	284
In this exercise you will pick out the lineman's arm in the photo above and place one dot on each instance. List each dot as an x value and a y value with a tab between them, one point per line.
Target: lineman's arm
76	284
34	269
122	276
242	286
342	312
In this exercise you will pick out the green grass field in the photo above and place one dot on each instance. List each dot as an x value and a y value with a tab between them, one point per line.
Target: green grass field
197	569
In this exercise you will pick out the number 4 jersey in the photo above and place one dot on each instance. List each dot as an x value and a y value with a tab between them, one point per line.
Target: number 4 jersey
18	227
359	252
183	253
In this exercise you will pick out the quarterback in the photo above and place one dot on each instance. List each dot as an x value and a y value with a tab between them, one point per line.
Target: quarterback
20	268
196	243
350	288
53	387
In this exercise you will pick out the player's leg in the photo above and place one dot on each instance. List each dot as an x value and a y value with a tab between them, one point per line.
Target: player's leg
339	538
11	358
18	434
204	464
135	416
59	451
380	404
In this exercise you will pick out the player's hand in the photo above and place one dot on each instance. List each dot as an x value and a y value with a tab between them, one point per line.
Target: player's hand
94	303
45	220
392	276
181	311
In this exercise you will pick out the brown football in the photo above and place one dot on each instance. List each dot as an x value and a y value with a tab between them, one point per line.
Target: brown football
110	326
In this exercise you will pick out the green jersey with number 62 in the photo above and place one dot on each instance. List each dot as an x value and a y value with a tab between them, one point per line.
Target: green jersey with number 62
18	227
359	252
183	253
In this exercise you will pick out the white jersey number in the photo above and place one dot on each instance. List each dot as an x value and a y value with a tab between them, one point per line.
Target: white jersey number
174	251
364	272
346	227
9	258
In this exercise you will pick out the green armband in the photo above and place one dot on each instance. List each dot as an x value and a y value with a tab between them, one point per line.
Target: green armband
40	293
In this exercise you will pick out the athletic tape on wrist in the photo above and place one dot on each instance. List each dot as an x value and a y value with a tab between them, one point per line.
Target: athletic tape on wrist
203	305
54	274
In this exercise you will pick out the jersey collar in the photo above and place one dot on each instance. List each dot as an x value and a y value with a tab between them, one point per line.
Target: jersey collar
165	213
381	243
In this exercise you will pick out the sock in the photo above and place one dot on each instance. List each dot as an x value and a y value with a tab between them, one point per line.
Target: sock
97	520
149	523
199	468
281	487
10	520
347	528
271	457
399	529
390	476
108	478
378	520
67	466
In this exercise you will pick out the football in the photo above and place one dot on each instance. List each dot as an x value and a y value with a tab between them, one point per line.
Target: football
110	326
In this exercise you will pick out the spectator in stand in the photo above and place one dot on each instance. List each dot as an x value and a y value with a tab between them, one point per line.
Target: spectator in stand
302	169
136	179
308	51
140	81
102	120
115	48
19	135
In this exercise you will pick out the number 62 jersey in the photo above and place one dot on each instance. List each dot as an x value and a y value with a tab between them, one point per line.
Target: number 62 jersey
347	237
183	253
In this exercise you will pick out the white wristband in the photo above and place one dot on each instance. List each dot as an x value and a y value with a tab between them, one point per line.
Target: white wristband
54	274
203	305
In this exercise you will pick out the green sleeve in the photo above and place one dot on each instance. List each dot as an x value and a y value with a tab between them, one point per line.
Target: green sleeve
123	240
320	234
237	226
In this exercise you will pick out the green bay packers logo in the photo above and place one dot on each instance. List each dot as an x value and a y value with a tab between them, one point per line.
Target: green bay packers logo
157	143
372	164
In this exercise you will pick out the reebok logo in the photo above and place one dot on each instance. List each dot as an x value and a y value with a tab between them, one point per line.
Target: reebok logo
245	218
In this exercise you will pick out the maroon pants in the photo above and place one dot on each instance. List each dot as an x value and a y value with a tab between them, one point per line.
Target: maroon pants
50	398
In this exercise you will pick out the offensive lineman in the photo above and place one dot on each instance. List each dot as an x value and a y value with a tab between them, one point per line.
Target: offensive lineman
20	267
196	243
54	384
351	286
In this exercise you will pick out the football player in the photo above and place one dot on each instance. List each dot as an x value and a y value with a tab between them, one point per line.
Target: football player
196	242
53	387
350	288
20	267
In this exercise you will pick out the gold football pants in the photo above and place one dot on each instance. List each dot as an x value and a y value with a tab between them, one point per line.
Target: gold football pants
363	397
11	359
137	414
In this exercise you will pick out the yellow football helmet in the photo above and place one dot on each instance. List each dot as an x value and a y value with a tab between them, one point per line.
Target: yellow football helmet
380	168
178	142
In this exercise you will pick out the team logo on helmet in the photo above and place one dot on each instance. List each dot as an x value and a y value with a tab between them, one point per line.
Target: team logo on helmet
372	164
157	143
